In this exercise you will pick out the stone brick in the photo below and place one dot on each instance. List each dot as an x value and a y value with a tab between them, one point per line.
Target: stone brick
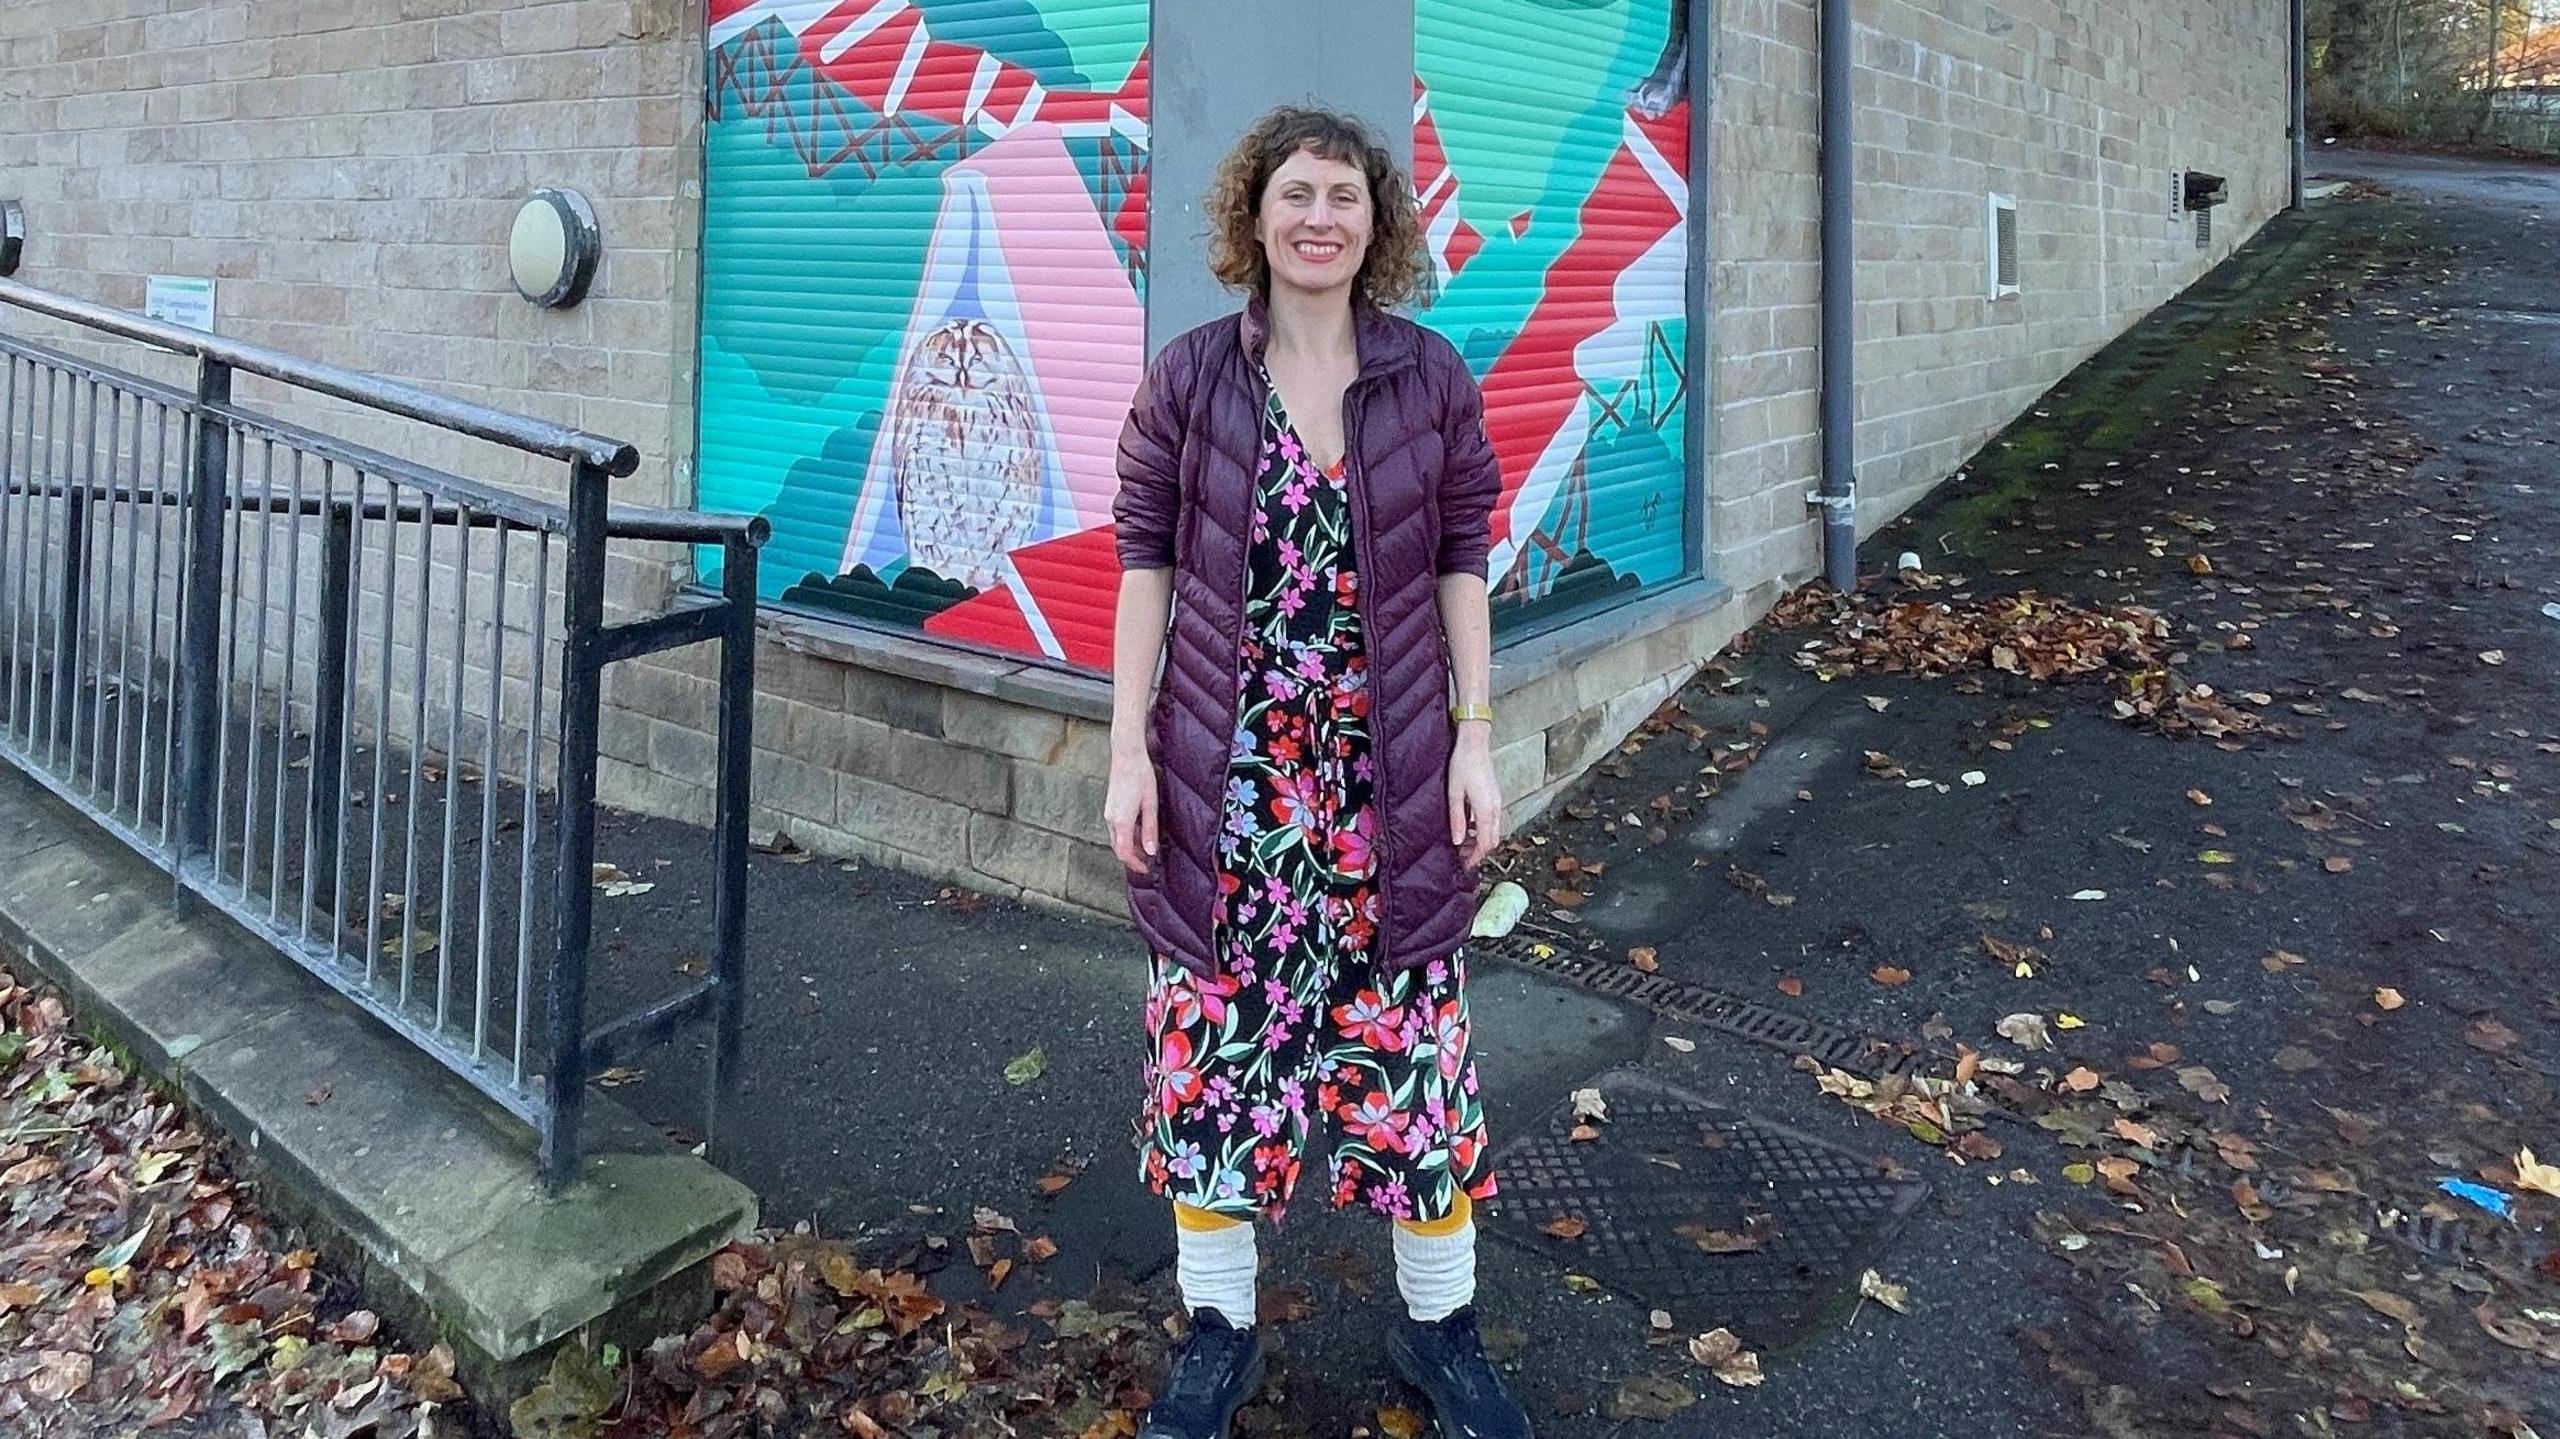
1034	860
795	787
894	700
1095	880
1059	800
1007	729
926	828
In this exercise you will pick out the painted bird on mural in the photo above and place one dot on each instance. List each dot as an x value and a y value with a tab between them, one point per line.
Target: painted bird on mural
965	452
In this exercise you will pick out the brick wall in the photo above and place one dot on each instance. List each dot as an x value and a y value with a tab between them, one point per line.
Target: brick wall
2080	109
347	171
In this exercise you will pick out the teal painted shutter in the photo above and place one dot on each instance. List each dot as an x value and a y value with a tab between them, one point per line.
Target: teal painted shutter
923	267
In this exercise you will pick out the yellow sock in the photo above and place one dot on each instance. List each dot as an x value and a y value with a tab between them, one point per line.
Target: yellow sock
1200	1221
1448	1224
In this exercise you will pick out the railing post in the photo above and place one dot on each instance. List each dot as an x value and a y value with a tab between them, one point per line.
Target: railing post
65	684
208	495
329	720
581	706
729	831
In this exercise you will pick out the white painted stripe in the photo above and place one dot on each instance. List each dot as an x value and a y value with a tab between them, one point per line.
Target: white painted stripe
796	16
1439	182
1657	167
906	75
981	83
880	13
1030	608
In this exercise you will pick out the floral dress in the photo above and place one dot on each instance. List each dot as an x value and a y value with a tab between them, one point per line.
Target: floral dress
1297	1029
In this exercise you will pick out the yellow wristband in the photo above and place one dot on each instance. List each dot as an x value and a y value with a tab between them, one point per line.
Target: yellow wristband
1464	713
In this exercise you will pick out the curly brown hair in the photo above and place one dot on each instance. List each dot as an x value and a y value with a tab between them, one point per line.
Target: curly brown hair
1393	270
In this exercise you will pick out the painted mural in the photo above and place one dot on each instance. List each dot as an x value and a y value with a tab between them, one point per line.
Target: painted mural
923	319
925	233
1566	284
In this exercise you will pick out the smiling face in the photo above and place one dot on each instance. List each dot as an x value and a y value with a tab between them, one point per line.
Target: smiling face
1314	223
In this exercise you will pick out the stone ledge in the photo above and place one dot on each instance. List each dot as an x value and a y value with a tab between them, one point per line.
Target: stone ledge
1020	682
403	1173
1585	637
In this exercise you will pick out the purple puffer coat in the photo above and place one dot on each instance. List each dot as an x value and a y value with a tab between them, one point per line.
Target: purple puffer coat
1423	481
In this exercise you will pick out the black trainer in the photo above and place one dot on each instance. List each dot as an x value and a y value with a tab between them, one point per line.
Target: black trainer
1447	1362
1219	1368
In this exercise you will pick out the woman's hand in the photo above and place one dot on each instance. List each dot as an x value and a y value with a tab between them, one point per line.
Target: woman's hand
1129	807
1475	796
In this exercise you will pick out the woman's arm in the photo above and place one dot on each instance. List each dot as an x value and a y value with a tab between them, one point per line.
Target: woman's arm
1145	521
1469	488
1137	643
1475	795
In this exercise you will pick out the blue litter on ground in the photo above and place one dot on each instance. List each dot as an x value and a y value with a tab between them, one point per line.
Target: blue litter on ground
2495	1201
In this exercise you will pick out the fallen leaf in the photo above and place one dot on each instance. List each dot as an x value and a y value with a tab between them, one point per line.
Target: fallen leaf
2493	657
1679	1045
2384	1302
1791	987
2489	1034
2389	998
1649	1397
1590	1106
1889	976
2081	1080
2026	1030
1027	1066
2204	1084
2118	1173
2136	1133
1397	1422
1720	1352
2533	1174
1896	1297
1571	1226
2199	798
2294	1059
1642	958
2337	864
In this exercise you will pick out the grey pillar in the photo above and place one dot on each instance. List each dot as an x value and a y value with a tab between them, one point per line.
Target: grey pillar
1216	65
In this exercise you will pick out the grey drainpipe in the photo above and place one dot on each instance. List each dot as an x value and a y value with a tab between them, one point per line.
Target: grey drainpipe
1838	499
2301	131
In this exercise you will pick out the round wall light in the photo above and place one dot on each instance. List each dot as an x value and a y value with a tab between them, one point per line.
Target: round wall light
13	235
552	251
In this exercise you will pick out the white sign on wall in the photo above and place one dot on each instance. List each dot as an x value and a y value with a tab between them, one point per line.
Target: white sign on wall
180	300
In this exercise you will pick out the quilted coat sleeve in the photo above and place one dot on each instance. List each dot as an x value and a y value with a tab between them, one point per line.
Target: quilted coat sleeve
1146	511
1472	481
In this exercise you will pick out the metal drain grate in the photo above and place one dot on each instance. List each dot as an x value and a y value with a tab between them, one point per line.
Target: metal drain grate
1669	1160
1707	1008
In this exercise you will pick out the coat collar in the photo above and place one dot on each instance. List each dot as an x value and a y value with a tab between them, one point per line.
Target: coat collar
1387	343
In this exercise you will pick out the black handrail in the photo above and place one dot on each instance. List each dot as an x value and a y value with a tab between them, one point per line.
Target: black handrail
541	437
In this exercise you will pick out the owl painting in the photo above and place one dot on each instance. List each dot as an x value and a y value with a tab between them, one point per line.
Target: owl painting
965	451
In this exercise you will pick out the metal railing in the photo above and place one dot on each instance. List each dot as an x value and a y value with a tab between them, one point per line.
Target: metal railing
350	700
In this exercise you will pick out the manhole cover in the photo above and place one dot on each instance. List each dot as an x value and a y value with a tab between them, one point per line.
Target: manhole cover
1673	1174
1711	1009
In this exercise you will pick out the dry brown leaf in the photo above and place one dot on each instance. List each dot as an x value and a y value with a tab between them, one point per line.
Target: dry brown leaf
2535	1175
1889	976
2389	998
1642	958
2204	1084
1571	1226
1791	987
2490	1034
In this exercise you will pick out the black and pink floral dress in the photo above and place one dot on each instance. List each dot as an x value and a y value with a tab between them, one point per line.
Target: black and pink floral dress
1298	1030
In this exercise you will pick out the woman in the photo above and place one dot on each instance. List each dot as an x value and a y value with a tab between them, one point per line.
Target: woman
1305	499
